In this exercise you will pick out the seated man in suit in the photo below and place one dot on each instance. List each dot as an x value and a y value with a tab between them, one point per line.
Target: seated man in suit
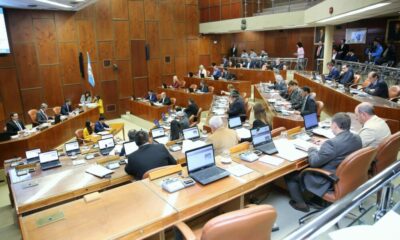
330	155
295	96
203	87
226	74
191	109
181	122
151	96
216	72
374	129
147	157
66	109
346	76
377	87
41	116
222	137
309	105
351	57
101	125
131	136
164	99
280	85
333	72
14	125
236	106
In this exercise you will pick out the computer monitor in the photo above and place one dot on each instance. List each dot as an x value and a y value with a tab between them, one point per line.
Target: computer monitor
157	132
310	121
200	158
107	136
72	146
191	133
106	143
261	135
130	147
234	122
32	154
48	156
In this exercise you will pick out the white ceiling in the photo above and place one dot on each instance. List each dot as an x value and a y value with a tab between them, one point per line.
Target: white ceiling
23	4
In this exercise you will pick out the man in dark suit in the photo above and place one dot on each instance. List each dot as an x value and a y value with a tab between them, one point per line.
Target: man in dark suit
203	87
308	106
66	108
14	125
147	157
227	75
41	116
346	76
330	155
101	125
319	51
151	96
164	99
295	96
236	106
343	49
191	109
333	72
233	51
378	86
351	57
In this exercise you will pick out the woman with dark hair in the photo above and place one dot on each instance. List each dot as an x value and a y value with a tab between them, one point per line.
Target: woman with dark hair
86	98
261	118
300	56
88	130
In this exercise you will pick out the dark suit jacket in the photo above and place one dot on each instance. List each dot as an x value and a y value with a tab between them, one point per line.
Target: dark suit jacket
309	107
321	52
65	109
204	88
99	127
344	50
191	109
147	157
12	128
379	89
41	117
167	101
233	52
333	74
330	155
152	98
237	108
347	78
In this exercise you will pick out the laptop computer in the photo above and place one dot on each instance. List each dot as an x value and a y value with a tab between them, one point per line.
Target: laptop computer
310	121
106	146
159	136
191	133
234	123
262	140
130	147
201	165
72	148
49	160
32	156
323	79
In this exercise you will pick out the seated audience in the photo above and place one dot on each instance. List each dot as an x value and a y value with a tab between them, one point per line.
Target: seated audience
191	109
377	87
151	96
164	99
202	72
101	125
244	54
175	82
263	54
227	75
99	102
225	62
253	54
374	129
222	137
277	64
309	105
86	98
236	106
147	157
376	51
66	108
261	117
88	130
14	125
295	95
351	57
330	155
181	122
346	76
216	72
203	87
131	137
41	116
247	63
333	72
389	55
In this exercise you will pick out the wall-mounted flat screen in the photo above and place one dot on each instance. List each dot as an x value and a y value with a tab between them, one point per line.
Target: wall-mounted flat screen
356	35
4	44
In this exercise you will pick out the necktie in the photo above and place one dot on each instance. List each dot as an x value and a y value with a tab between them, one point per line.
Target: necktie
18	125
304	103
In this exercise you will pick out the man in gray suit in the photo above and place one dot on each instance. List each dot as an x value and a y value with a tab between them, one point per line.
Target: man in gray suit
41	116
295	96
330	155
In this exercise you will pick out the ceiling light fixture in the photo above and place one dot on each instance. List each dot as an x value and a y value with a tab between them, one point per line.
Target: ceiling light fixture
54	3
361	10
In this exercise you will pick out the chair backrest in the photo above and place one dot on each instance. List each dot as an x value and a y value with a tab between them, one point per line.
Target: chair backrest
162	171
79	135
353	171
387	152
193	86
57	110
183	84
248	111
392	124
320	106
277	131
357	78
366	83
253	223
32	114
173	102
211	89
394	91
198	115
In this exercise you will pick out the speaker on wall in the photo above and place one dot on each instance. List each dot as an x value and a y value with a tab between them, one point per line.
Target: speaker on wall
147	49
81	68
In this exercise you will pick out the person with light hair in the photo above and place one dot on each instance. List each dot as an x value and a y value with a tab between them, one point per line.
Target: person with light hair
203	71
280	85
222	137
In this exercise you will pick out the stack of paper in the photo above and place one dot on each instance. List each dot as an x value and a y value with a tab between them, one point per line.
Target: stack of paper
288	151
324	132
304	145
271	160
239	170
98	171
243	133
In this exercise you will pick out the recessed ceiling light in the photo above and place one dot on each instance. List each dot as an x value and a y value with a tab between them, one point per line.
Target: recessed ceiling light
54	3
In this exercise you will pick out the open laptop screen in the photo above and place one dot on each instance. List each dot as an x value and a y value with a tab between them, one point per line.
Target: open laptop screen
191	133
157	132
71	146
260	135
34	153
310	121
200	158
48	156
130	147
106	143
234	122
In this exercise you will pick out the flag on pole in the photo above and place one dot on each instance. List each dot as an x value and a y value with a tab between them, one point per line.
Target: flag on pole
90	72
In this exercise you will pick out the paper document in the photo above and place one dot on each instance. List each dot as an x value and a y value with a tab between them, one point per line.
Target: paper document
98	171
189	145
288	151
271	160
239	170
304	145
324	132
78	162
219	111
103	133
243	133
162	140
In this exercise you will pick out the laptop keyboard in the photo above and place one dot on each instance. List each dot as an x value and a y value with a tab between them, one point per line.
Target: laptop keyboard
209	173
267	147
50	164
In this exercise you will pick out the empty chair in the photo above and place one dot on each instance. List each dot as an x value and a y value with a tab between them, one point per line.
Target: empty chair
57	110
253	223
32	114
386	153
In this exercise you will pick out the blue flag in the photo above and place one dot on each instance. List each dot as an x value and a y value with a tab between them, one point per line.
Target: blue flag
90	72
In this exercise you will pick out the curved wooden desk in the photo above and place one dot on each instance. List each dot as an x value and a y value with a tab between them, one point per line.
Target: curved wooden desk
203	100
146	111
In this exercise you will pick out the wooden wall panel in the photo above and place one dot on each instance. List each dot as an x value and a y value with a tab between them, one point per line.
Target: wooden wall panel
7	60
154	69
205	60
180	67
138	56
69	62
45	36
119	9
66	27
103	20
168	50
110	97
106	52
136	20
87	38
46	14
26	62
140	86
31	99
121	33
192	51
204	45
9	91
151	10
52	91
125	79
73	92
192	21
166	20
180	40
215	13
20	26
179	10
153	39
